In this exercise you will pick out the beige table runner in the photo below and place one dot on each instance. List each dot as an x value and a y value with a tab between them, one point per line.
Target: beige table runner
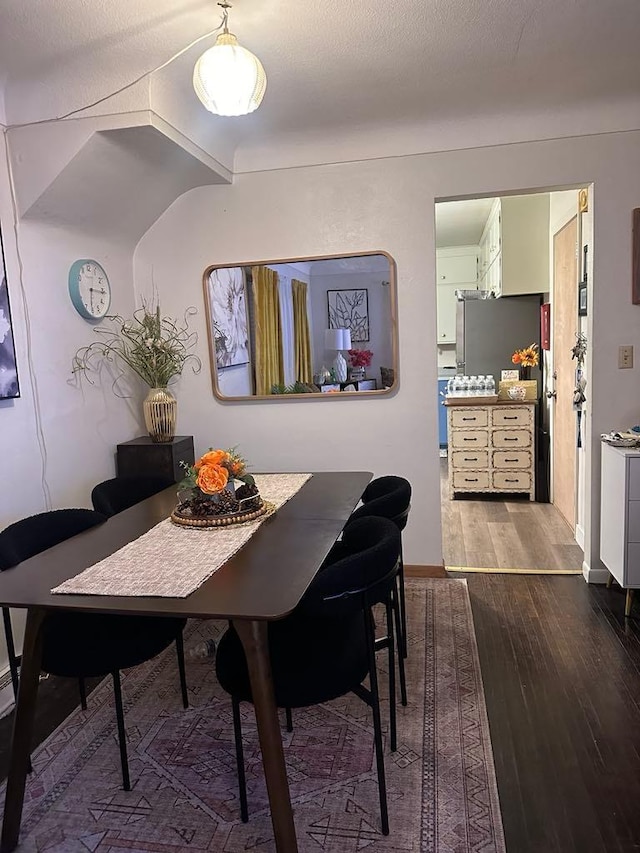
172	561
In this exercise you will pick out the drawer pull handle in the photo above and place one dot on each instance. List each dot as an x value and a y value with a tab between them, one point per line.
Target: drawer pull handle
506	438
470	419
470	458
471	479
510	417
469	439
517	459
507	480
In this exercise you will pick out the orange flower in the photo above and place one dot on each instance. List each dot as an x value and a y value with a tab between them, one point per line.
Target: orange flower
516	358
212	457
212	478
236	467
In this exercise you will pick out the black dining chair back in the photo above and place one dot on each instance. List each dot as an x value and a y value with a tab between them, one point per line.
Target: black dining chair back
390	497
326	647
113	496
387	497
82	645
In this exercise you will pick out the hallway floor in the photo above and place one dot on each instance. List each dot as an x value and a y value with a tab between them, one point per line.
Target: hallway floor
487	532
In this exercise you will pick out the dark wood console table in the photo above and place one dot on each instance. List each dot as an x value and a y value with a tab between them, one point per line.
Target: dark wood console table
142	457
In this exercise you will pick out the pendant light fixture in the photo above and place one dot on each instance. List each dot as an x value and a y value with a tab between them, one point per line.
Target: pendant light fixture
228	78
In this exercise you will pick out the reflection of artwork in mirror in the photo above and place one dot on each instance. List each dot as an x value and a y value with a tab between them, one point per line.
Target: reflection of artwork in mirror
228	313
8	371
349	309
287	351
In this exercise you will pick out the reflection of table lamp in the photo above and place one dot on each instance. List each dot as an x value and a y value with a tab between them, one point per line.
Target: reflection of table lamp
338	339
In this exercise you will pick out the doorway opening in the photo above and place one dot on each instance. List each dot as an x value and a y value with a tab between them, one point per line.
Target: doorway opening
509	270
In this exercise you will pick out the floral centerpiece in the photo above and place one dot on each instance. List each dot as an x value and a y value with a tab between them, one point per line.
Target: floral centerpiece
527	358
209	496
156	349
359	360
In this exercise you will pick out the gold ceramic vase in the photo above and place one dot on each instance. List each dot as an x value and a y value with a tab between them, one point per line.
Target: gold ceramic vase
160	413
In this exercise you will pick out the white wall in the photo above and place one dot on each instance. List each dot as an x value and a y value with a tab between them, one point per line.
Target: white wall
389	204
58	440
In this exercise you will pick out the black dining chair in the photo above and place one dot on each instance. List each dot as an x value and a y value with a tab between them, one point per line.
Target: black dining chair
326	647
84	645
113	496
389	497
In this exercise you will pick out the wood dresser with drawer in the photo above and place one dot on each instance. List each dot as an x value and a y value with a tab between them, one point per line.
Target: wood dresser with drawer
492	448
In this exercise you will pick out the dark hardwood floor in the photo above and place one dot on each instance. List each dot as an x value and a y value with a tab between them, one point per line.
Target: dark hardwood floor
561	672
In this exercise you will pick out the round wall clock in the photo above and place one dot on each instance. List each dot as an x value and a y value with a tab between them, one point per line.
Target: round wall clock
89	289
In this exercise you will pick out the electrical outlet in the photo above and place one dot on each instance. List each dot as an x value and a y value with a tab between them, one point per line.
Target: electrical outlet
625	357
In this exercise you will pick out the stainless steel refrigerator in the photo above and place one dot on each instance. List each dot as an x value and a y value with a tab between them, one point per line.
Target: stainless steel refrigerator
488	331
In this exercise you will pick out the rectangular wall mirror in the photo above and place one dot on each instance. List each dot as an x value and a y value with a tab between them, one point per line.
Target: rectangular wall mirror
321	327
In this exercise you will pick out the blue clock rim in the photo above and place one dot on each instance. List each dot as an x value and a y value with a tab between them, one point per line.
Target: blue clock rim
74	289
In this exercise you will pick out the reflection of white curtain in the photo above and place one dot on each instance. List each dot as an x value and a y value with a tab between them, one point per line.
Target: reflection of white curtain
286	317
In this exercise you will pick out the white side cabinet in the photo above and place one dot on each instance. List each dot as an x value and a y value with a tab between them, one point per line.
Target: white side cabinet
620	514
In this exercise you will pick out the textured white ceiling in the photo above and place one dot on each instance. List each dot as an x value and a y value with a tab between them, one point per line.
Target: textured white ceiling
461	223
336	64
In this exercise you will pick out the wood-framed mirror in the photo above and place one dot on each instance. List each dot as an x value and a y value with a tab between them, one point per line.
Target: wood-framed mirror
304	328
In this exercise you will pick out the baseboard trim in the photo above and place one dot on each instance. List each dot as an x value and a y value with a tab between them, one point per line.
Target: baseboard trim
418	571
505	571
594	575
580	536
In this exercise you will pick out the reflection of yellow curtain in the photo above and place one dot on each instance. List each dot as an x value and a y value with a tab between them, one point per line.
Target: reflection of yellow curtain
302	343
269	361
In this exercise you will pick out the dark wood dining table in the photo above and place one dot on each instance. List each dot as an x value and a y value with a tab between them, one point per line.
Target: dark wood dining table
262	582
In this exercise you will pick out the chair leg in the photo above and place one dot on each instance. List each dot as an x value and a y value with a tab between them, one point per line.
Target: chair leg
391	648
403	680
289	717
402	638
82	689
242	782
181	670
377	723
122	736
11	651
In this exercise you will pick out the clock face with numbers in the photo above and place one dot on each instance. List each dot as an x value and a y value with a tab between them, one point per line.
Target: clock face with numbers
89	289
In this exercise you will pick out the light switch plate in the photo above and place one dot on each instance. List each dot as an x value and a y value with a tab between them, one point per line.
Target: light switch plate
625	357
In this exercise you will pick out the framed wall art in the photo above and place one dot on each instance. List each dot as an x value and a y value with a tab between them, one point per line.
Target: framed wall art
349	309
9	387
227	295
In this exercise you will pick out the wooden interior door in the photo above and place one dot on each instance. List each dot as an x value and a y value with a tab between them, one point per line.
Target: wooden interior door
565	325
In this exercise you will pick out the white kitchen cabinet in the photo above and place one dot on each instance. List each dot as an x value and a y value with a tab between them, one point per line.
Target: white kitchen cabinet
620	515
447	313
514	247
456	269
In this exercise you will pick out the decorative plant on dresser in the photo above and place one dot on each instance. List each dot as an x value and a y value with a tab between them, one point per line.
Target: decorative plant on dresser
156	349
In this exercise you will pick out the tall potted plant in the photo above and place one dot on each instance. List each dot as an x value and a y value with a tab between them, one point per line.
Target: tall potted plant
156	349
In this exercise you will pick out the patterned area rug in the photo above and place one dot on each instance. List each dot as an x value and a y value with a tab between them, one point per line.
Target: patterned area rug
441	782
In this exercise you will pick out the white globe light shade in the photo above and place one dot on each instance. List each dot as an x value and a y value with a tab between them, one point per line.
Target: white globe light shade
229	79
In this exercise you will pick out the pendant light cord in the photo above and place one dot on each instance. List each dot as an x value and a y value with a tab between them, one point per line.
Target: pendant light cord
71	113
42	445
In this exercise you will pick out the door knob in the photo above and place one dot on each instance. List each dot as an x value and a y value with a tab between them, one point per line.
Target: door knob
552	394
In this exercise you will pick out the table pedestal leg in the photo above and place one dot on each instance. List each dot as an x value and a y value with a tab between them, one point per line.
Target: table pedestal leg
253	635
22	729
